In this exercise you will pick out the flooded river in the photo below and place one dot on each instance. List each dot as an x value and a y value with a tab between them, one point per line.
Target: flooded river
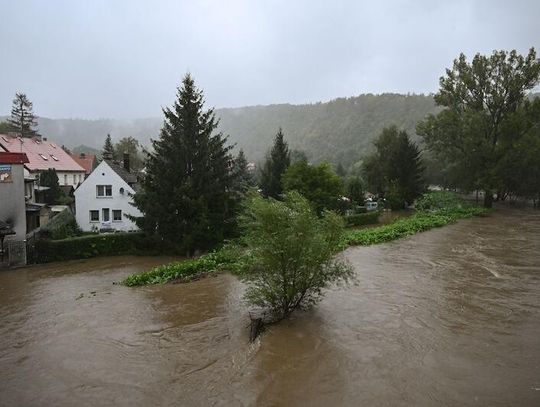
450	317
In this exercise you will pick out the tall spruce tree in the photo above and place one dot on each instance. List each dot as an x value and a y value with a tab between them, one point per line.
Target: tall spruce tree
276	164
108	153
187	194
395	170
243	179
23	119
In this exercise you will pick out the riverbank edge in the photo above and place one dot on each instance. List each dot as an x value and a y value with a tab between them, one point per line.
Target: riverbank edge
231	257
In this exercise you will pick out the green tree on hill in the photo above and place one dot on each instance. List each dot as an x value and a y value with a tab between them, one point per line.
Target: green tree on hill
275	166
187	194
108	153
483	101
23	120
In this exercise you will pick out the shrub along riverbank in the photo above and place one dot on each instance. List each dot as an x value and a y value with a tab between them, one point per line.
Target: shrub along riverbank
438	209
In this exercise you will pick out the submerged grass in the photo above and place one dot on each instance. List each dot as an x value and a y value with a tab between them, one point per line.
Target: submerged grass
419	222
233	258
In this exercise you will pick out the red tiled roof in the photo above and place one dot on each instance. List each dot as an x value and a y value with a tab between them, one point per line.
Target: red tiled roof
42	155
13	158
87	161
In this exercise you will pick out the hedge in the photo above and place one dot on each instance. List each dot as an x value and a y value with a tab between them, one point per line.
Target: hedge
94	245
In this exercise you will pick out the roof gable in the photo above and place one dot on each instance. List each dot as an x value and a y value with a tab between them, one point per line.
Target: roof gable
102	174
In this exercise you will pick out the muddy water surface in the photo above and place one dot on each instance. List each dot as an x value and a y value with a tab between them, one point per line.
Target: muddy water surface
449	317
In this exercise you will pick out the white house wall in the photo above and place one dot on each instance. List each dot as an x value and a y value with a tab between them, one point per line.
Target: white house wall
86	200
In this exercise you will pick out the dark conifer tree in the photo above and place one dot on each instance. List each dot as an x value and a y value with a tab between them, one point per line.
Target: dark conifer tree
187	193
22	117
243	179
49	179
395	170
340	171
276	164
108	153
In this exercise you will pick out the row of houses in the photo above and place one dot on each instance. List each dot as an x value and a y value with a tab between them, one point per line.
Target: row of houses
102	192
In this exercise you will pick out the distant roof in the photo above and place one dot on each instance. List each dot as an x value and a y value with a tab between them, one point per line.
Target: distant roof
42	155
86	161
127	176
13	158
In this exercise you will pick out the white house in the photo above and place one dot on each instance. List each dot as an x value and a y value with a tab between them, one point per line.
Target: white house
104	199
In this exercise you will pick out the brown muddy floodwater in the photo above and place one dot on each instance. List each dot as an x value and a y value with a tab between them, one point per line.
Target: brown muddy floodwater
450	317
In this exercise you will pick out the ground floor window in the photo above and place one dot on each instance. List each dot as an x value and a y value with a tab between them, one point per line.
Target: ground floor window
106	214
116	214
94	216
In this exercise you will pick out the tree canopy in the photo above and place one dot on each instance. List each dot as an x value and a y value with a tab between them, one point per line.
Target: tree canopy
485	115
395	169
186	196
318	183
292	253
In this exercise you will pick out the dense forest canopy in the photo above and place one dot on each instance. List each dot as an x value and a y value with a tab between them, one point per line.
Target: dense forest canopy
341	130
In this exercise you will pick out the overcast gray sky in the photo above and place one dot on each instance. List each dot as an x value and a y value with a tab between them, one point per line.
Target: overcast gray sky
124	59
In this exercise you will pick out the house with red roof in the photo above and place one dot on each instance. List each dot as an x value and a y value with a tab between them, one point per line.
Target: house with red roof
42	155
87	161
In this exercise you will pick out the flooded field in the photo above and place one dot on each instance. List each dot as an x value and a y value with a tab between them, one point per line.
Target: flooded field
449	317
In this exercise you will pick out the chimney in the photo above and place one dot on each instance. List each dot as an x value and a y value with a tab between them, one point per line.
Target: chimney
44	138
126	161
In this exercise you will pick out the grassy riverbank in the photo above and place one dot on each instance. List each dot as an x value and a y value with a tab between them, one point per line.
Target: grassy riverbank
435	213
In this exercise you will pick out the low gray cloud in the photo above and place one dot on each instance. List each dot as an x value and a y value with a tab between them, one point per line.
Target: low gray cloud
123	59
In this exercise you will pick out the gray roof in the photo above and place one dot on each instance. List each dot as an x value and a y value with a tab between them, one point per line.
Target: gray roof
129	177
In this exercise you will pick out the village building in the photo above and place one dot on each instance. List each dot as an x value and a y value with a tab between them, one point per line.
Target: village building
43	155
103	202
87	161
12	208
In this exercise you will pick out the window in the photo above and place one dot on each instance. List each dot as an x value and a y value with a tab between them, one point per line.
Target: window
65	179
116	215
94	216
44	157
106	215
54	157
103	190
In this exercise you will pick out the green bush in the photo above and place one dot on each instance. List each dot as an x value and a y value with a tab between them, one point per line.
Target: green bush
83	247
61	226
359	219
437	200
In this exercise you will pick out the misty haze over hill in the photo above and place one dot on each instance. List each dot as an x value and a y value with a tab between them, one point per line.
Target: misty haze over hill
338	131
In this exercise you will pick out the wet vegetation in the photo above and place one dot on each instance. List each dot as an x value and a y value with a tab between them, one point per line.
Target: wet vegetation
435	209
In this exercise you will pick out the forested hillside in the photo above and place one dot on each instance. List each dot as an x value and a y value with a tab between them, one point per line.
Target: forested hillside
338	131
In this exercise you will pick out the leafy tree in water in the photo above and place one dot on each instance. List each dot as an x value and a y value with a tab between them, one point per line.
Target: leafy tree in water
49	179
108	153
319	184
481	100
395	169
292	252
23	119
276	164
186	196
